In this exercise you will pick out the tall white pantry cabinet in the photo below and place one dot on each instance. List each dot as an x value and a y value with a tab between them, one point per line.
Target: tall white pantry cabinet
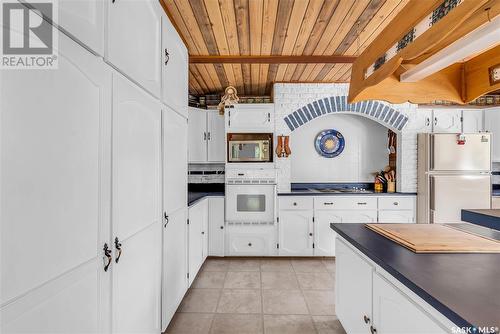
91	217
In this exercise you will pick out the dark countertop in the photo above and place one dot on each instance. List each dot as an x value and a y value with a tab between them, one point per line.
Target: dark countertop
487	218
465	288
195	196
314	192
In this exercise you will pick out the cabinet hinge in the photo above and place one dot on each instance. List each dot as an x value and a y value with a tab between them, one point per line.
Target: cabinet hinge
313	244
188	221
313	219
277	219
278	246
229	118
188	275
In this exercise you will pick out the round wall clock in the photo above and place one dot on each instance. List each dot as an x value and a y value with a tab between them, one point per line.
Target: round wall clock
329	143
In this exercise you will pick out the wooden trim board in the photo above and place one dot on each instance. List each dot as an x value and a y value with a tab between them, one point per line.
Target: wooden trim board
434	238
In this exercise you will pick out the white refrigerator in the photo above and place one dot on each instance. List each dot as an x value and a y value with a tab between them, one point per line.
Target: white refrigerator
454	173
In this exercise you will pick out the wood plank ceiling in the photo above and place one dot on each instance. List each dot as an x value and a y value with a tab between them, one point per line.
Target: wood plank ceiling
275	27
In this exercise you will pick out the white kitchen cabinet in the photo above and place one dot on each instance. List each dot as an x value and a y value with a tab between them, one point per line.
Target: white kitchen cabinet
251	240
492	124
136	208
136	302
420	121
175	264
55	162
324	236
197	130
216	229
256	117
447	120
206	136
353	290
472	120
216	137
134	41
197	227
174	92
296	233
396	216
83	20
394	312
175	164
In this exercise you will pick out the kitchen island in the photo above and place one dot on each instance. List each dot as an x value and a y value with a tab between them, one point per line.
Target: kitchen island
386	288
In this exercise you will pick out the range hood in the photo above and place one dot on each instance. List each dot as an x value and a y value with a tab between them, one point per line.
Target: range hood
432	50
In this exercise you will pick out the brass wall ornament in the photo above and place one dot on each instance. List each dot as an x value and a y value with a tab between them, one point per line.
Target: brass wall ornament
230	98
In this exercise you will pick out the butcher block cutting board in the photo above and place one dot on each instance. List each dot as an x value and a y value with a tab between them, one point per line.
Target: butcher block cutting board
434	238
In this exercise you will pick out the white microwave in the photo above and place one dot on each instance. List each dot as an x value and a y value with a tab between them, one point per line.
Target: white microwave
249	147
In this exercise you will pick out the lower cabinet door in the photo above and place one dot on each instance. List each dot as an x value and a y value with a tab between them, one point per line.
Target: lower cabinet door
251	240
353	290
197	216
136	304
324	236
400	217
216	226
295	233
175	282
393	312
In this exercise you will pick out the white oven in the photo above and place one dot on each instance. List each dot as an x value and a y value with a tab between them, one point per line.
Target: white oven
250	195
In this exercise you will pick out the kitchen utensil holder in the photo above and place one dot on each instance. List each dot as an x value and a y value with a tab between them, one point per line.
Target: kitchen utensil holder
391	187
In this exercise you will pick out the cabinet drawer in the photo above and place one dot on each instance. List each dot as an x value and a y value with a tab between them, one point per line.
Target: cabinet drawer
345	203
396	203
295	203
251	240
396	216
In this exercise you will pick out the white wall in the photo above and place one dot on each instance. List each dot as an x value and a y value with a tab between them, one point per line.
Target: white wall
365	150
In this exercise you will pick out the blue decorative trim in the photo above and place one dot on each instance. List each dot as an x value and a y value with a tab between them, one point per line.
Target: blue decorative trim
380	111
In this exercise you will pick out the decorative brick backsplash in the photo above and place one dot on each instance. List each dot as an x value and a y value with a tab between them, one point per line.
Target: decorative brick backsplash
290	98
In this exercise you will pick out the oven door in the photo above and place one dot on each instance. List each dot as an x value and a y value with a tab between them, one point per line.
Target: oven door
250	203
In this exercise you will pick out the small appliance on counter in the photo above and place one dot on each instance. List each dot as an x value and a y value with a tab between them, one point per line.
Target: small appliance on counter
249	147
454	173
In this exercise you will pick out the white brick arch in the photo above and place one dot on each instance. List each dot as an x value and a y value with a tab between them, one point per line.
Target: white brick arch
377	111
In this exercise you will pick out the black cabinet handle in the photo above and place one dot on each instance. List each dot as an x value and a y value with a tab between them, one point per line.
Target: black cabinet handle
222	227
202	232
310	234
167	56
118	247
395	203
294	203
250	244
361	203
373	330
366	319
328	203
107	254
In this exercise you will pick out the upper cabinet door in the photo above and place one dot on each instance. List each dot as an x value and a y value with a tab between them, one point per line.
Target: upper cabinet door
216	137
174	161
174	69
84	21
197	131
472	120
447	120
55	162
421	121
258	117
134	41
136	158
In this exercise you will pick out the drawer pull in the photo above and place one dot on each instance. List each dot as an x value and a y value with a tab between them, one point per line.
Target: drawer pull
294	203
310	234
395	203
361	203
222	227
249	244
328	203
366	319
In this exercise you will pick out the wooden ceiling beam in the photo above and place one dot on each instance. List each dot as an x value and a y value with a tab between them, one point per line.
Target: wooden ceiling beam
335	59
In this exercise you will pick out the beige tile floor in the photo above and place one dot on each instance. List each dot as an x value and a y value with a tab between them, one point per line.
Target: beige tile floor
250	296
